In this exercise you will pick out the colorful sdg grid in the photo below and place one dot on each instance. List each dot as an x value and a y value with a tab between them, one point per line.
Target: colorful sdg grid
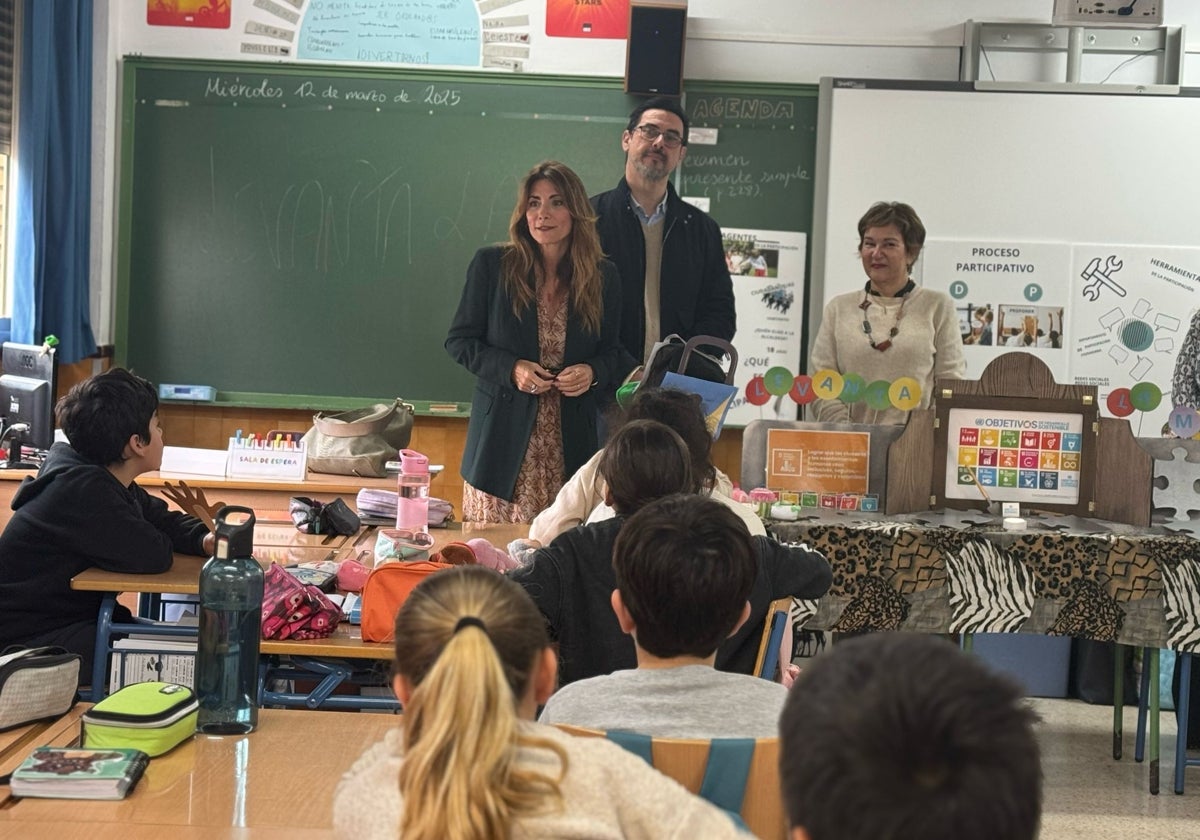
1020	459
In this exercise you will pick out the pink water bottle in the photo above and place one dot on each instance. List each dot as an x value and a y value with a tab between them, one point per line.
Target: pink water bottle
412	502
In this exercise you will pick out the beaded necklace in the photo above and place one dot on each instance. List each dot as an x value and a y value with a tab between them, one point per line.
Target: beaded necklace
866	324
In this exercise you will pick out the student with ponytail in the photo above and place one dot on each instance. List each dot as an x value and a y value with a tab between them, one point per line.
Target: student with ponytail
473	662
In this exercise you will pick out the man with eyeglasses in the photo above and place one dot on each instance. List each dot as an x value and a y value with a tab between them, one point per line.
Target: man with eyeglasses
674	278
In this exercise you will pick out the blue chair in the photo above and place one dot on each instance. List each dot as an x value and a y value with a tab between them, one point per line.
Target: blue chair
767	661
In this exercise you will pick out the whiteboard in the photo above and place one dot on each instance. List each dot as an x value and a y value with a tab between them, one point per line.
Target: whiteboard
1117	172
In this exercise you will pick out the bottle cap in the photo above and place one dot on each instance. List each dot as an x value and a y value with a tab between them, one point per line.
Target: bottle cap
1014	523
413	462
236	538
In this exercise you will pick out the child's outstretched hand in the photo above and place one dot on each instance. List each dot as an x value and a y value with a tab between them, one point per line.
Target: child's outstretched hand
193	501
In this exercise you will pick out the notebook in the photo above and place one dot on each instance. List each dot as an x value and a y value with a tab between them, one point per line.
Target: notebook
78	773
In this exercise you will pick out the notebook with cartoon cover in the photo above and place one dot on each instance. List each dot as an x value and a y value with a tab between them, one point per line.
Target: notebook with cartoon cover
79	773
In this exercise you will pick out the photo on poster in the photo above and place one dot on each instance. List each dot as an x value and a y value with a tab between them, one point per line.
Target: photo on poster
976	323
1023	327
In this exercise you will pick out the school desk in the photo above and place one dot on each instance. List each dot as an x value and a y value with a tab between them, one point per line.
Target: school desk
276	782
183	579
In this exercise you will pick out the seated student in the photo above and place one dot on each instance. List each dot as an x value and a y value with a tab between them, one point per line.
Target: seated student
572	579
581	499
684	568
84	510
900	735
472	664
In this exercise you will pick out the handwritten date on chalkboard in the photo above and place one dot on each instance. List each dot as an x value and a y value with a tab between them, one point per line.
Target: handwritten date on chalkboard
265	90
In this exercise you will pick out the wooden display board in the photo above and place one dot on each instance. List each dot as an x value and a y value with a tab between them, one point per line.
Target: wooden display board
1114	472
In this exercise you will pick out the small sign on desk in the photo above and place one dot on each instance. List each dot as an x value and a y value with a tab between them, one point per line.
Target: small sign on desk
186	460
250	458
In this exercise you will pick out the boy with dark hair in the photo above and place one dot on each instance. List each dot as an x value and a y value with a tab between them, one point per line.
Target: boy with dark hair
684	567
572	579
898	735
83	510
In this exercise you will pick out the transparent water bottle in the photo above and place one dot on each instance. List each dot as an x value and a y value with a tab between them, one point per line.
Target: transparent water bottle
412	502
231	595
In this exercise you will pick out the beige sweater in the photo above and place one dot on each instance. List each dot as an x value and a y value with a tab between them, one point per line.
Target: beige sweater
927	347
607	793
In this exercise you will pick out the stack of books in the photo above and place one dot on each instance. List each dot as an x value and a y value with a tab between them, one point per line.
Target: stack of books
77	773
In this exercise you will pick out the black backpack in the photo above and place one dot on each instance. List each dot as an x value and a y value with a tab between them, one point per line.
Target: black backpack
673	354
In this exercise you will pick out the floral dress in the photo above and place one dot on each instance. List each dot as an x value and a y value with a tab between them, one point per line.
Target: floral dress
541	473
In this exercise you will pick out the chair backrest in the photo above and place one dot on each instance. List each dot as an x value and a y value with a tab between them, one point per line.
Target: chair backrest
767	661
687	762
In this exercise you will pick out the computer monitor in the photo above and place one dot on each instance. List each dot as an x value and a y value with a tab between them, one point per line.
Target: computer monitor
28	387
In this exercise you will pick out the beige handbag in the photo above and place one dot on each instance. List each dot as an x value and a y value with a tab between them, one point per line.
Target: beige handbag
359	442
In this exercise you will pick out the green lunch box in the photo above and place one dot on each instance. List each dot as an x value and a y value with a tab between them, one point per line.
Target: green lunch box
152	717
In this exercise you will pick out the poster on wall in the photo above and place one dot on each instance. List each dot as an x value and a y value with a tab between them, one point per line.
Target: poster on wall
1008	296
1014	456
823	468
208	14
587	18
767	267
1130	310
449	33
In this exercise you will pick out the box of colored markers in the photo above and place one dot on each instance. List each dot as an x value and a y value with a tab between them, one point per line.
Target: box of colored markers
261	458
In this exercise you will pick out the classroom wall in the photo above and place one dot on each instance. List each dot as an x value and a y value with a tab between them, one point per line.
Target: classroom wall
794	41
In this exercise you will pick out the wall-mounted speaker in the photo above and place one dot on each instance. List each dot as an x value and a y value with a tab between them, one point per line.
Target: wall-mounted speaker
654	56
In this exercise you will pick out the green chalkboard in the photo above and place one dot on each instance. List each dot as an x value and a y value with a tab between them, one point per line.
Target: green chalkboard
299	230
756	164
305	230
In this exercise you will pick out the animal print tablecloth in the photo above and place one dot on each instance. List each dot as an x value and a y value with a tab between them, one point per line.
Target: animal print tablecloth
947	573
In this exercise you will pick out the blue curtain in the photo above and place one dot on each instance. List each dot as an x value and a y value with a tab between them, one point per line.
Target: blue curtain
53	178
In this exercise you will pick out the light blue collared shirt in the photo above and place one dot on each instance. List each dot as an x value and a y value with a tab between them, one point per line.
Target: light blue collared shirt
660	212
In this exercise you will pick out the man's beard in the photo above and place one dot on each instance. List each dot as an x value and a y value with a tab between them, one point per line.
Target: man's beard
651	168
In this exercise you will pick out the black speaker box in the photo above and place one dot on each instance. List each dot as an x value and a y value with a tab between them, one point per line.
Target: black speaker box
654	57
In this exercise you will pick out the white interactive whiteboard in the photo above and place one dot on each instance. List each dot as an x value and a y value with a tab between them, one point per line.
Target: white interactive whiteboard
1113	178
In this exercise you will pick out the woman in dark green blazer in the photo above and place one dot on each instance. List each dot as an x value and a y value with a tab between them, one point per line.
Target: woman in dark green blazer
538	325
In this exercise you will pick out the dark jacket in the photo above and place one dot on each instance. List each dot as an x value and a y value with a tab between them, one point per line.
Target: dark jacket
488	339
74	516
572	580
696	293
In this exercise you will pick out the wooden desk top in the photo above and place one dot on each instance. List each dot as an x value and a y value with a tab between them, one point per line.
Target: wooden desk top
278	781
59	732
183	578
314	483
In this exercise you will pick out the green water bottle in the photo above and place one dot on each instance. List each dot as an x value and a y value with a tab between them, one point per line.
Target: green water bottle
231	595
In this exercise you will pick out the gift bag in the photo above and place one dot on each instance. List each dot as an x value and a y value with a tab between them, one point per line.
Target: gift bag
359	442
293	610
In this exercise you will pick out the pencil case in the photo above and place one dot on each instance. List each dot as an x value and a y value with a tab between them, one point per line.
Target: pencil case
152	717
36	683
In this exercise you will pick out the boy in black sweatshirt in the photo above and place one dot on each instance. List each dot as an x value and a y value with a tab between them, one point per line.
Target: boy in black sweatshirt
82	511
